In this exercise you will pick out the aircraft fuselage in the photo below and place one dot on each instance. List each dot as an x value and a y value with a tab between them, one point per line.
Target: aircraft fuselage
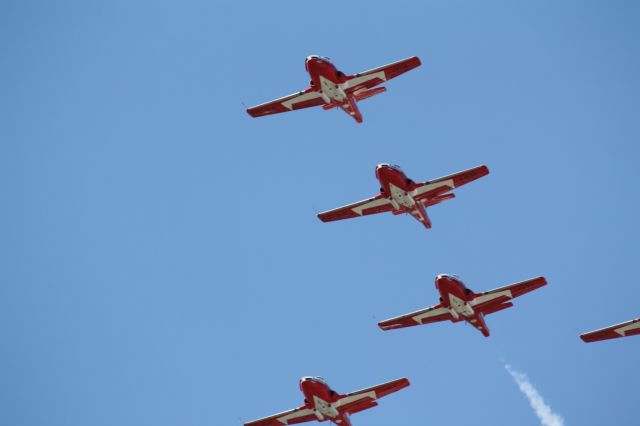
330	83
320	398
456	297
396	186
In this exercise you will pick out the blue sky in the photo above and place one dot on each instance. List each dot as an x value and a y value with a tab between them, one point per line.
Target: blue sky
160	259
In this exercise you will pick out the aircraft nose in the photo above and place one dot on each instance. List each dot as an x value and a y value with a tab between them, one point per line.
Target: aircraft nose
310	59
381	167
442	279
305	383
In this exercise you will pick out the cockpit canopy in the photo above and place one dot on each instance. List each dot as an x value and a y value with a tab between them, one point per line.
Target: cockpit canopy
392	166
315	379
314	57
322	58
450	276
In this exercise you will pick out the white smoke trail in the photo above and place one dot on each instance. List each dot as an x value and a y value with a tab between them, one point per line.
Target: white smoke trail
543	411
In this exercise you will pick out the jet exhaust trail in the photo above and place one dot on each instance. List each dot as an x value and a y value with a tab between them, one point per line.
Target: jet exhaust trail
543	411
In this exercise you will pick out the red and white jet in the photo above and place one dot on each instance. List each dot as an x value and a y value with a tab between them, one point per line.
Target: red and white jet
399	194
332	88
322	403
624	329
458	303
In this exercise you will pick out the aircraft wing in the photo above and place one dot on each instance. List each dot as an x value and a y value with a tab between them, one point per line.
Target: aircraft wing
365	398
290	417
371	78
435	189
305	99
377	204
628	328
424	316
491	301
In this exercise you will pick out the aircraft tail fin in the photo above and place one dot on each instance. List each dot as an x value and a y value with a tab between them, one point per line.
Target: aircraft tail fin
351	108
420	213
478	322
343	420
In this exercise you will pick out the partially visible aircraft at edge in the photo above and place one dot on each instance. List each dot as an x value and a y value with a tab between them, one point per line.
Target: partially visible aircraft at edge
399	194
333	89
628	328
322	403
458	303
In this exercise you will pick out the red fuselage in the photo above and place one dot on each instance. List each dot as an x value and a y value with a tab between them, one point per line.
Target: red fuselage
455	296
330	83
389	175
318	396
397	187
318	67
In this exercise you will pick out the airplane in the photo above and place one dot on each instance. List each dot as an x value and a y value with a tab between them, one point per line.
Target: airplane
334	89
458	303
624	329
322	403
399	194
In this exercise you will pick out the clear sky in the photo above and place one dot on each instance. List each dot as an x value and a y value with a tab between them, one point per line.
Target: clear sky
160	258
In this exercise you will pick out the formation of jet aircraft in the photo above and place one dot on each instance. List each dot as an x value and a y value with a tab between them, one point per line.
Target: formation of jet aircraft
331	88
322	403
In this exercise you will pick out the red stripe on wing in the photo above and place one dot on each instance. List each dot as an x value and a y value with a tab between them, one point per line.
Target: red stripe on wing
408	320
277	106
526	286
390	71
348	212
400	67
383	389
458	179
390	387
486	301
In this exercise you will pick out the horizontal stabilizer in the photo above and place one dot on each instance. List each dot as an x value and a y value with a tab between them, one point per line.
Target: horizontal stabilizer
362	407
364	94
377	204
437	200
496	308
